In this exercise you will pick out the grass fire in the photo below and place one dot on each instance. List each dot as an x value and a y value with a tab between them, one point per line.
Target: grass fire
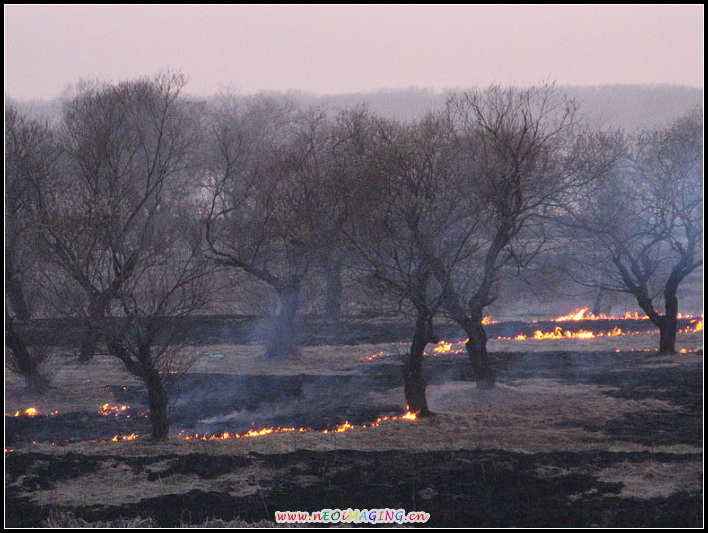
221	308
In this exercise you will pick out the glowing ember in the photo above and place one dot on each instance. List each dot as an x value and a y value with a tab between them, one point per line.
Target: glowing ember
374	356
132	436
112	410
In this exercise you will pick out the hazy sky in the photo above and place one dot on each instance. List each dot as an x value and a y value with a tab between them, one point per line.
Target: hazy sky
341	49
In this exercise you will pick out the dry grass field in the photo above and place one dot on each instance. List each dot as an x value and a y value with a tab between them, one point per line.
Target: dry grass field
578	432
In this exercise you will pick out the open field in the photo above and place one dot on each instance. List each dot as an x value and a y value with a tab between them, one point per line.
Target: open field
578	432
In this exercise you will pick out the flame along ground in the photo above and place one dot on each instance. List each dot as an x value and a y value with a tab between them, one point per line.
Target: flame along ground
443	347
582	314
346	426
29	412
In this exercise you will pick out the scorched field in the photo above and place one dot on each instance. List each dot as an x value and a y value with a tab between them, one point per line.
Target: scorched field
587	426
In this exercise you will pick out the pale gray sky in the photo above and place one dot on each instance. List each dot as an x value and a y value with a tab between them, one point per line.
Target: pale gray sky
348	48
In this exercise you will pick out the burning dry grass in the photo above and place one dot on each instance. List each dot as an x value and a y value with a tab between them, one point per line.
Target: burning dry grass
529	416
524	415
82	387
640	342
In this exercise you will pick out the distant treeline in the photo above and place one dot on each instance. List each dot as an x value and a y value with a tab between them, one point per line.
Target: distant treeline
622	106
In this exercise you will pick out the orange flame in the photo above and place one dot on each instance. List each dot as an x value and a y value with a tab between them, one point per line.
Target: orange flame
443	347
583	313
346	426
30	411
558	333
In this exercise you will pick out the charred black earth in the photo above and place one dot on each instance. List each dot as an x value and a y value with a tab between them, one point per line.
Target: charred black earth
462	488
458	489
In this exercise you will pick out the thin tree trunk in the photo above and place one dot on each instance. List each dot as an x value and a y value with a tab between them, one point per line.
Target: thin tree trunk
413	382
597	305
282	340
333	292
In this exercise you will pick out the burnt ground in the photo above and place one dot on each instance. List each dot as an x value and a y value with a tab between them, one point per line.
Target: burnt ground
620	446
211	403
458	488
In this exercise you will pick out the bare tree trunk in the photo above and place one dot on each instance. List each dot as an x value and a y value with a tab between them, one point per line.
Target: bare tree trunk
477	349
90	338
413	382
25	362
597	305
157	402
669	322
16	295
667	337
333	294
143	367
282	338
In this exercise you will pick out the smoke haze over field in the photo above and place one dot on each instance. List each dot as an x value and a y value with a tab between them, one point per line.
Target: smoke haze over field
335	49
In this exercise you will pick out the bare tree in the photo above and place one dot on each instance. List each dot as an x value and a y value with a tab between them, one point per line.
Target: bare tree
643	225
397	201
30	156
116	225
264	215
518	158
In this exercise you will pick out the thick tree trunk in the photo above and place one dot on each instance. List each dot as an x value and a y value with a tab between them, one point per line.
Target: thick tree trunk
16	297
89	343
413	382
477	349
143	367
669	322
157	402
282	340
26	363
667	336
